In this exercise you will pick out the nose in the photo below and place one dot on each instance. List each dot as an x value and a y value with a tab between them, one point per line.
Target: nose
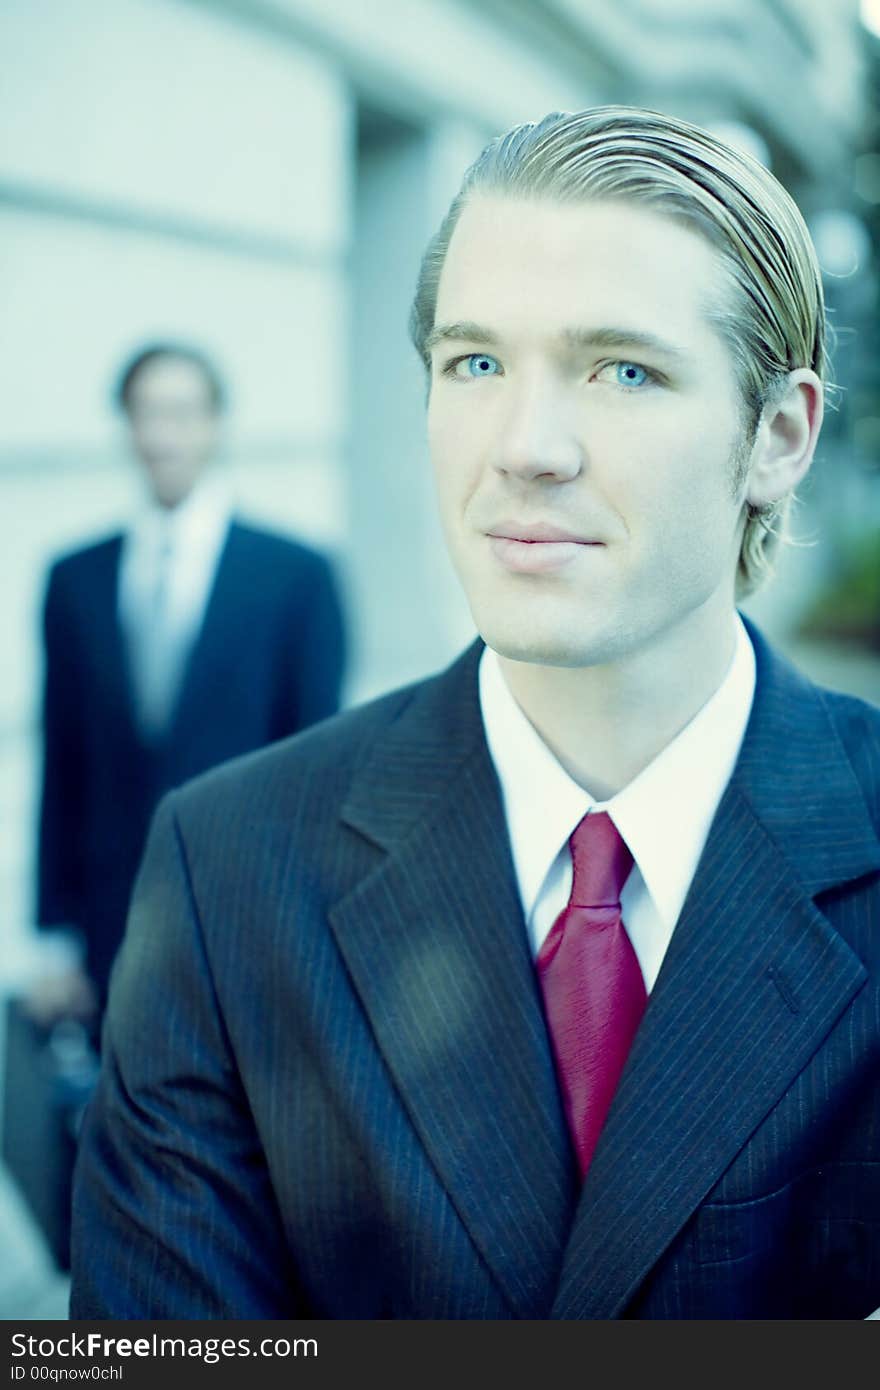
537	436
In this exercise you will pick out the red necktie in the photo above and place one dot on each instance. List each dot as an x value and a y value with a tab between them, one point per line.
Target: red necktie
594	993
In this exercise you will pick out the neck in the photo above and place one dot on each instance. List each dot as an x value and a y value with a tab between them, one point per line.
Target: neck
169	505
606	723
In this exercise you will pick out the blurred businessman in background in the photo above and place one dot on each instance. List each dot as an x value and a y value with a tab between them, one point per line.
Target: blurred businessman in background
185	640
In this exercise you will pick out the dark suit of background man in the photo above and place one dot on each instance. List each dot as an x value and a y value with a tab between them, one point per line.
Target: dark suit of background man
188	639
548	987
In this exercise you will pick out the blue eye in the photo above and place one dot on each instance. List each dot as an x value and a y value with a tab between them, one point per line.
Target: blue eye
481	364
630	374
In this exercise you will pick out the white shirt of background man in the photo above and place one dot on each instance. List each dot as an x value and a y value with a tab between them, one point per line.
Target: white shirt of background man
191	536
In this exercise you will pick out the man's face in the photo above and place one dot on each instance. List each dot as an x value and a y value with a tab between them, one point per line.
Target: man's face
174	426
585	429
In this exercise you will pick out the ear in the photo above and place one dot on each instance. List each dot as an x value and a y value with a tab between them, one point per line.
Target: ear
786	439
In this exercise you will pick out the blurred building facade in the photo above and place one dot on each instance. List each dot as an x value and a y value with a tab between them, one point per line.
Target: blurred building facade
261	176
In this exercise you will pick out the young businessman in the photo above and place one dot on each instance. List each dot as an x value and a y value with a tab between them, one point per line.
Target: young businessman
187	639
547	987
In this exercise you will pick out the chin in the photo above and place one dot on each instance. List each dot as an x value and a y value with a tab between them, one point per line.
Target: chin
542	648
551	633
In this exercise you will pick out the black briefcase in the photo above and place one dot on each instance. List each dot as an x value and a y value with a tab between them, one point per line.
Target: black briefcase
50	1073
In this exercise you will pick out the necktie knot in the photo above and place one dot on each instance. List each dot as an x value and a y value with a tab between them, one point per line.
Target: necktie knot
601	862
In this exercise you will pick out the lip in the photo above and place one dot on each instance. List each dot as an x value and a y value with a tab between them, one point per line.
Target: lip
536	549
538	533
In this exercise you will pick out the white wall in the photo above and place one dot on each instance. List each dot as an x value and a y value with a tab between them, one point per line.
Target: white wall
79	296
170	109
490	64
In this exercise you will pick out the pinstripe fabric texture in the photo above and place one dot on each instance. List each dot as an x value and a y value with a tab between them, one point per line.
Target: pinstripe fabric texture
327	1088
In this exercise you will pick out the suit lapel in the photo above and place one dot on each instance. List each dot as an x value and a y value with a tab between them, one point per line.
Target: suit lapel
436	946
754	980
110	631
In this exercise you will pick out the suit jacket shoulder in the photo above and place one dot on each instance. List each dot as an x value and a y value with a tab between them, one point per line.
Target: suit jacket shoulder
79	565
857	724
282	553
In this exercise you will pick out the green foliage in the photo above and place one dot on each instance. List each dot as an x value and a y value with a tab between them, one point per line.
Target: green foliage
848	609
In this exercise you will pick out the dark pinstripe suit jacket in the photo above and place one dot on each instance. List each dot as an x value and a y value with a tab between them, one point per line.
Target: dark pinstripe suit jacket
327	1089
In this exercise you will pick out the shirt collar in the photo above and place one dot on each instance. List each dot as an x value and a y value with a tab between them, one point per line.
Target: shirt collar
664	814
542	803
194	522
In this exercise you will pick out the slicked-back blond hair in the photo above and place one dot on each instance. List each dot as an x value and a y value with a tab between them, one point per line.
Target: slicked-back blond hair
770	311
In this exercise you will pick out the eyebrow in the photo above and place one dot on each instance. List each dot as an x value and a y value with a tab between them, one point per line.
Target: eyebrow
575	338
457	333
621	337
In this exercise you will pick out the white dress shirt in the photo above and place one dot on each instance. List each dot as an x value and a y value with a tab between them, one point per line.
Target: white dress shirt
191	537
663	815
